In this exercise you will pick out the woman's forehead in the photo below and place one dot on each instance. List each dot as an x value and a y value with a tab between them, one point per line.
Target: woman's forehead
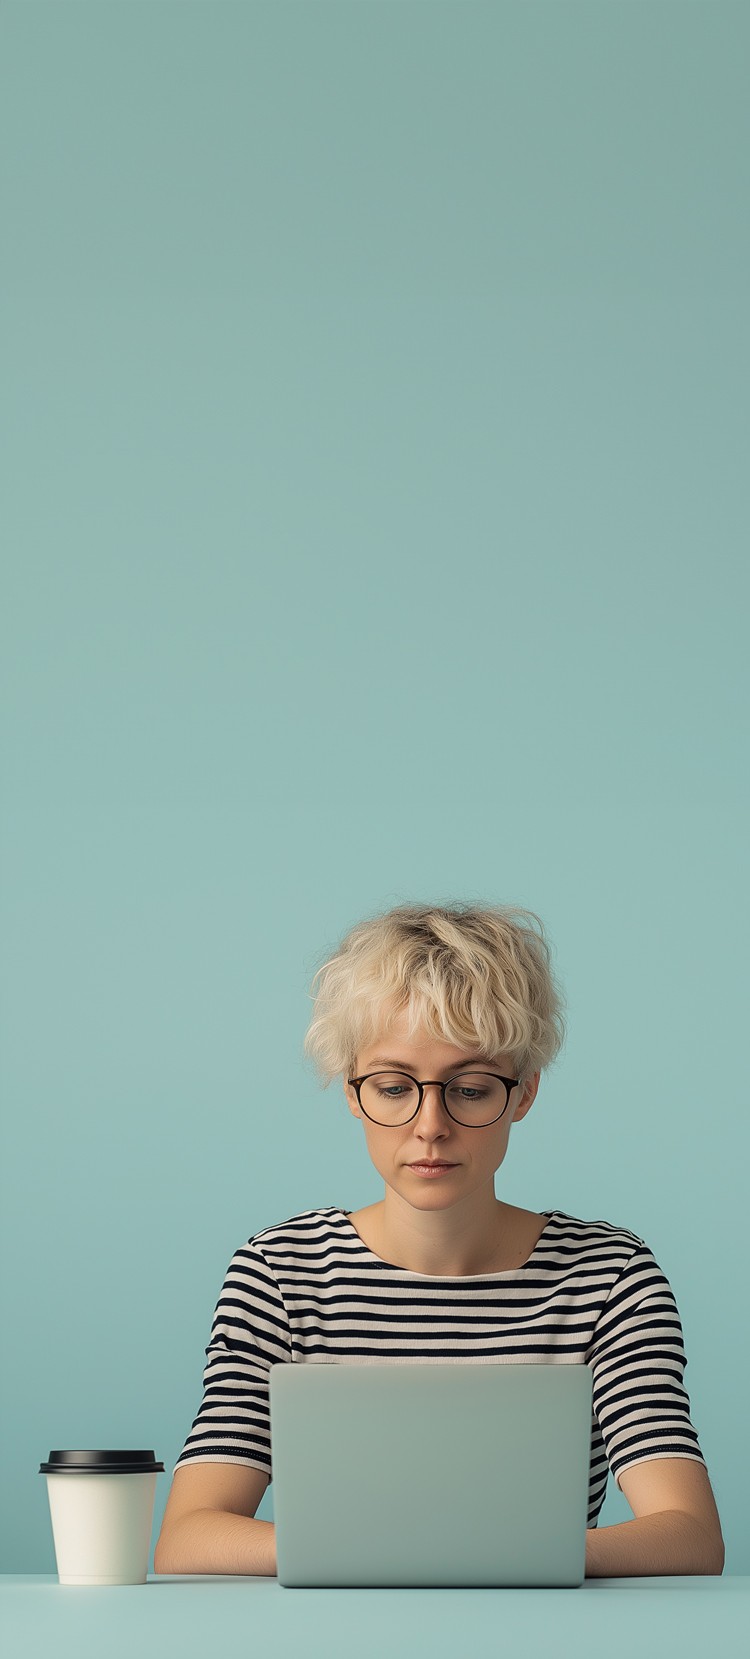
392	1048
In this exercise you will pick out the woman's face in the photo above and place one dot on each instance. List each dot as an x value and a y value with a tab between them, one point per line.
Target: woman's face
476	1153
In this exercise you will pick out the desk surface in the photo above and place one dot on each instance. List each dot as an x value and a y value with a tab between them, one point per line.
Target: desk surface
195	1616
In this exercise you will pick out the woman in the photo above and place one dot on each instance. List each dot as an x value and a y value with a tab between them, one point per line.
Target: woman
440	1021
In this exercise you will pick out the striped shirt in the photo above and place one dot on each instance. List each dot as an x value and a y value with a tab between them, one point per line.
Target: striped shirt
309	1291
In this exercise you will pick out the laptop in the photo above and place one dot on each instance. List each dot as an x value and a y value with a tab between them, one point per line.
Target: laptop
431	1474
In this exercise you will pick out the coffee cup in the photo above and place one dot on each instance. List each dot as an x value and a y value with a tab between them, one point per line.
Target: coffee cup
102	1509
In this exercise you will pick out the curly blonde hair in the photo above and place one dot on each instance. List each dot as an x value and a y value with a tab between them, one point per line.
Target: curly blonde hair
468	974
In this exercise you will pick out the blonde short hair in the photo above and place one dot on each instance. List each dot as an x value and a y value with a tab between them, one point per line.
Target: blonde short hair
470	975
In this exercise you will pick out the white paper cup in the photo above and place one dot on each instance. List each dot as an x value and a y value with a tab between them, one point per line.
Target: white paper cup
102	1515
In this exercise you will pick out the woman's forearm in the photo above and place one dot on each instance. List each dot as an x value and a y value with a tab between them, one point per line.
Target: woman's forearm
668	1543
212	1541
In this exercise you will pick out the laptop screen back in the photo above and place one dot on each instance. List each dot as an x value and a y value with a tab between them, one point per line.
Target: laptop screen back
417	1474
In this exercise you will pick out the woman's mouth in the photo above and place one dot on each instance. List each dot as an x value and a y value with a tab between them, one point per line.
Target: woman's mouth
432	1170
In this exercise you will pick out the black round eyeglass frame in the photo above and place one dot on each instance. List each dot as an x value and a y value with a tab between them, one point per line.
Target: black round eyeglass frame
510	1083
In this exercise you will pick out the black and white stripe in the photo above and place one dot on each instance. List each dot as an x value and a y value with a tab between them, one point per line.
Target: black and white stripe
308	1291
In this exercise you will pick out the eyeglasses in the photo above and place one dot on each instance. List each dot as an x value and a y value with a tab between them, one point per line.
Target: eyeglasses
392	1098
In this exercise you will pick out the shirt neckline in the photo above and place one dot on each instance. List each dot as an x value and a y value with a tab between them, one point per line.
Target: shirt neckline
443	1278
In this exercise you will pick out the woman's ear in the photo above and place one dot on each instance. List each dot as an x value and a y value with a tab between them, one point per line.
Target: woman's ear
350	1095
528	1096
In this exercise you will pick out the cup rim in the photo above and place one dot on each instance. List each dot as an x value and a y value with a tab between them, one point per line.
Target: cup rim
102	1462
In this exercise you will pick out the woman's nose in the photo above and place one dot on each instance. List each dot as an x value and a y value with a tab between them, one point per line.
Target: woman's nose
433	1105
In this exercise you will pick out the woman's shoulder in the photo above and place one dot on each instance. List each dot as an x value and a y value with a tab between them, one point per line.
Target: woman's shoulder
597	1247
587	1230
306	1227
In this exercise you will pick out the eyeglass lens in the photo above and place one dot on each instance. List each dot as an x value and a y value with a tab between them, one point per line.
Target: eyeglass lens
390	1097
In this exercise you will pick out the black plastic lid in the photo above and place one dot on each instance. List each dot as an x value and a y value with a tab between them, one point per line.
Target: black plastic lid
100	1463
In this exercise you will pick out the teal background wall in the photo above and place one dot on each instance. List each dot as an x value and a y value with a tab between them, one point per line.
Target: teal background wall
375	501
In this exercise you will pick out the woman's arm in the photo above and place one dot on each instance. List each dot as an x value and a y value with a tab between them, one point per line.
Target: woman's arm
209	1523
669	1543
212	1541
676	1528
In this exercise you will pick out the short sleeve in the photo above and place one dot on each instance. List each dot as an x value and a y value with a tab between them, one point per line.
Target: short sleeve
249	1333
638	1361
